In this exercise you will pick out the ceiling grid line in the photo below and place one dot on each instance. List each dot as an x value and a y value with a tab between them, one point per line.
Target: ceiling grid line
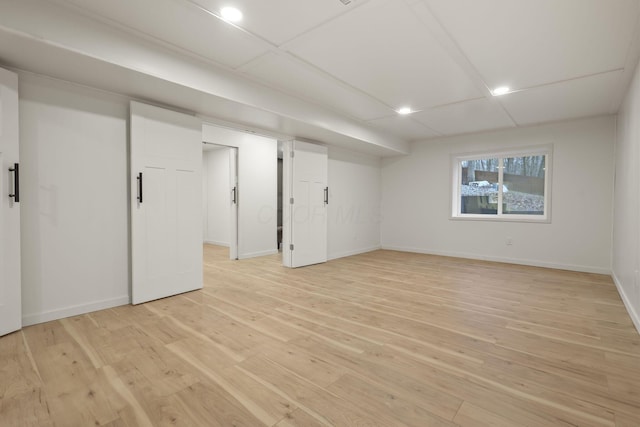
436	27
348	69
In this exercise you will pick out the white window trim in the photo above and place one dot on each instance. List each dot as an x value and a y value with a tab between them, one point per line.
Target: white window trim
456	180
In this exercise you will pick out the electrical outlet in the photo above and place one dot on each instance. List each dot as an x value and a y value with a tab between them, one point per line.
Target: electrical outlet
509	241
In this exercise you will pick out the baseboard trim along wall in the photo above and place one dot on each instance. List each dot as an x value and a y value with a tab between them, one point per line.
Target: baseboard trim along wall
214	242
635	318
532	263
354	252
33	319
257	254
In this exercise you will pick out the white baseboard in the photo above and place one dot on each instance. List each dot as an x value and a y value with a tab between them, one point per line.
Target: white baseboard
257	254
635	318
533	263
215	242
353	252
32	319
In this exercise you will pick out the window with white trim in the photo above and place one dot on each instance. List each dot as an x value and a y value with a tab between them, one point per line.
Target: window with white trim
506	185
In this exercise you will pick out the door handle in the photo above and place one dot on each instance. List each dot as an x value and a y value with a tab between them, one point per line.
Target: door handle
233	198
326	195
16	183
139	178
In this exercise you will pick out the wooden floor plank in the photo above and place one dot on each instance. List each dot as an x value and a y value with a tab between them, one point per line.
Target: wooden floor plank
21	389
299	418
470	415
383	338
376	400
327	406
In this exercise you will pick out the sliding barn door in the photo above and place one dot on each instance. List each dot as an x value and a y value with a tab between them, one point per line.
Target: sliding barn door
308	200
166	205
10	290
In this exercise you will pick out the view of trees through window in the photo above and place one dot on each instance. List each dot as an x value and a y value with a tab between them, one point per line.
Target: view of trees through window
525	166
522	185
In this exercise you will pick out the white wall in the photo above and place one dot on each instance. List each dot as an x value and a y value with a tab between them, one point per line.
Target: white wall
257	188
217	197
416	200
73	152
626	228
353	224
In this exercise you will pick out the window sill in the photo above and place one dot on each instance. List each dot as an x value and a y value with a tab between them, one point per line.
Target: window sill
494	218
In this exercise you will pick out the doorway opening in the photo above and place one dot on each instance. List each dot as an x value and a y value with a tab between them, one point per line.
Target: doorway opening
220	198
256	191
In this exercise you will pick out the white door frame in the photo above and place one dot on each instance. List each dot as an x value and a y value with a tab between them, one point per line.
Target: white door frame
287	208
234	198
234	190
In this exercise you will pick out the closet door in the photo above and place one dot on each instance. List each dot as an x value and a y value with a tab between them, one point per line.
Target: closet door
166	205
308	205
10	290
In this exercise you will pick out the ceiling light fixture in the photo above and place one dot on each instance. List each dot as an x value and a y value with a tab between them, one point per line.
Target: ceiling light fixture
502	90
405	110
231	14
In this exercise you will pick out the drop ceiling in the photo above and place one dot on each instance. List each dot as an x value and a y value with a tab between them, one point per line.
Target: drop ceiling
323	70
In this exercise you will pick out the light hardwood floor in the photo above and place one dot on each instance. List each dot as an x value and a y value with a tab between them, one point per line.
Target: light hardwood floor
380	339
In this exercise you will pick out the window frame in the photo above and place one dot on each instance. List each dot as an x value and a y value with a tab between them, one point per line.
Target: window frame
456	175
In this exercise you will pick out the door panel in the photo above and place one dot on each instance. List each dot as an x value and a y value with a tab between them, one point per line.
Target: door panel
166	227
188	192
10	288
309	210
154	208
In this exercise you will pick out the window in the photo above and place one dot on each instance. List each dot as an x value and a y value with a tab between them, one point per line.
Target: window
510	185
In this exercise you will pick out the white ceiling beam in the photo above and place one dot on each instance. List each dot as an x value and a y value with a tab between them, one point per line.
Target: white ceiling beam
41	23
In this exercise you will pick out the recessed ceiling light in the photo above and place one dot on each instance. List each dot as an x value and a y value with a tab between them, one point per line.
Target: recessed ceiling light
405	110
502	90
231	14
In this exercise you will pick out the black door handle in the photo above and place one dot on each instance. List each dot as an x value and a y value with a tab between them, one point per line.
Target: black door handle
233	199
139	178
16	182
326	195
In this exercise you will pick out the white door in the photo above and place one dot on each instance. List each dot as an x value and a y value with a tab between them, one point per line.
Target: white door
10	291
166	205
233	184
308	199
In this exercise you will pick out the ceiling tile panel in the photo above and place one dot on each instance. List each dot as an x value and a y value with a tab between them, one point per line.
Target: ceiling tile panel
589	96
291	76
180	24
279	21
470	116
383	49
405	127
524	43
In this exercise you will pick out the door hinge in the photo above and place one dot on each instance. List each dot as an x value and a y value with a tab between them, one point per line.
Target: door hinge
291	201
291	247
293	153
